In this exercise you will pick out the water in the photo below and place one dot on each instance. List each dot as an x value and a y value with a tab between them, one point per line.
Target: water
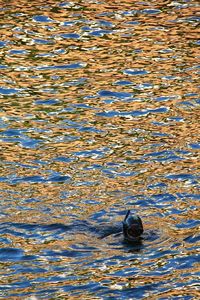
99	113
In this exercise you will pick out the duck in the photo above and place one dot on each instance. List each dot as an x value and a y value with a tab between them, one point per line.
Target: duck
132	227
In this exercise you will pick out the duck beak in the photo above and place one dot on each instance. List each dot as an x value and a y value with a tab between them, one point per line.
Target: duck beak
127	214
125	223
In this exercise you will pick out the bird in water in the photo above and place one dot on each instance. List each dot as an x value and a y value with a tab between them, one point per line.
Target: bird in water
132	227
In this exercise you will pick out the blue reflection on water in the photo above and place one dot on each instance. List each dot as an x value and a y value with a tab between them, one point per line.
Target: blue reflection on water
47	102
70	36
135	72
8	91
114	94
11	254
3	44
61	67
42	18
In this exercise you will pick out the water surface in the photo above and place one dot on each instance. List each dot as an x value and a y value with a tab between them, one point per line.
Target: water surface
99	113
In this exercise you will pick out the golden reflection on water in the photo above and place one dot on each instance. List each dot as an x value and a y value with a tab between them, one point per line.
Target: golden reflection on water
57	92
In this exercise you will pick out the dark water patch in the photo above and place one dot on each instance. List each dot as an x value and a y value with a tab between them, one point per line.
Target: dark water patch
99	230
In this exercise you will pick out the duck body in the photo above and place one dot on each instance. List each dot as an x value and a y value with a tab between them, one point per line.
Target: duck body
130	229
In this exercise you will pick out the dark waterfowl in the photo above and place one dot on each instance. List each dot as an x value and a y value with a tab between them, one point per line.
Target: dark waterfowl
132	227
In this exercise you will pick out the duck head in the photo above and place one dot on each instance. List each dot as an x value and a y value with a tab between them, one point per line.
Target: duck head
132	227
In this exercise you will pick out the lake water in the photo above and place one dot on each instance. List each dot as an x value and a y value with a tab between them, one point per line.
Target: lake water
99	113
